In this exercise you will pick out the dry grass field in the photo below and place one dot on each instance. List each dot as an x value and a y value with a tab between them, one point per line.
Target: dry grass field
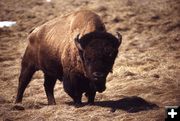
146	74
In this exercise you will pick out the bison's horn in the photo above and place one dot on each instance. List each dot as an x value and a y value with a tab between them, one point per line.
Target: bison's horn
77	38
77	42
119	37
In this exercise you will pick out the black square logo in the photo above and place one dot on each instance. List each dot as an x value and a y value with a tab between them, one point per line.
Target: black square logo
172	113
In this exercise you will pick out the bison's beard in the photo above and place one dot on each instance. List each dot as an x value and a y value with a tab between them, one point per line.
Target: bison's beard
97	85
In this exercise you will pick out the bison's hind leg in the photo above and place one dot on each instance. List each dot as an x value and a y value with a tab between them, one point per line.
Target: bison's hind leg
28	68
49	84
27	71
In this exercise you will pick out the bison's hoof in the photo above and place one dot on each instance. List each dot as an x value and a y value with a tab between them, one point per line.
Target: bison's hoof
51	103
78	105
18	101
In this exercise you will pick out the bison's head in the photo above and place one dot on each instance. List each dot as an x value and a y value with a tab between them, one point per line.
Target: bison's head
98	51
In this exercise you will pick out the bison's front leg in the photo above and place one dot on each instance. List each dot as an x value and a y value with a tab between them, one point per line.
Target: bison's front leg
77	98
91	96
49	84
72	87
91	93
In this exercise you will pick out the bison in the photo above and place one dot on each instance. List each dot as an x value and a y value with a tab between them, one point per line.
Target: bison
75	49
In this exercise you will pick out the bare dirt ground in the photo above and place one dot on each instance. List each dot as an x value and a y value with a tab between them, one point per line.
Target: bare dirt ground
146	73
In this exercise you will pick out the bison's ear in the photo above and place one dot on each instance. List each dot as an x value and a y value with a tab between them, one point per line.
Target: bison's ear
77	43
119	38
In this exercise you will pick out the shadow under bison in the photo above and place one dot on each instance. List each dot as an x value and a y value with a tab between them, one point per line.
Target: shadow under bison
131	104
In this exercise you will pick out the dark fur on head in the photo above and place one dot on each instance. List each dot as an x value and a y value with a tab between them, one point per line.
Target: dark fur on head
84	40
98	51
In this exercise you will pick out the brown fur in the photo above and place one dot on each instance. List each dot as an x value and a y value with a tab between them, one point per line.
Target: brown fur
52	49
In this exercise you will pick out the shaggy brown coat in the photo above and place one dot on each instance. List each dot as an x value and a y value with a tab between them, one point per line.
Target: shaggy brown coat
52	49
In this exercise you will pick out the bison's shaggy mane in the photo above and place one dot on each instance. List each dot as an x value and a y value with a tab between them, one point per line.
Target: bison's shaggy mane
84	40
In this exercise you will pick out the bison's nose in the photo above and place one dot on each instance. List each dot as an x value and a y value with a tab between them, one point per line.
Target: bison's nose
98	74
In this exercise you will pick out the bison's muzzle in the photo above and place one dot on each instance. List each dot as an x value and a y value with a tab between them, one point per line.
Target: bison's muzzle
98	85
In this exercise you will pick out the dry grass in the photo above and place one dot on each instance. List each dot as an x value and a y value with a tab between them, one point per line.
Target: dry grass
148	65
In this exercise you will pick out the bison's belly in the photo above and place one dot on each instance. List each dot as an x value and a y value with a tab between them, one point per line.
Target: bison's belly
51	67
